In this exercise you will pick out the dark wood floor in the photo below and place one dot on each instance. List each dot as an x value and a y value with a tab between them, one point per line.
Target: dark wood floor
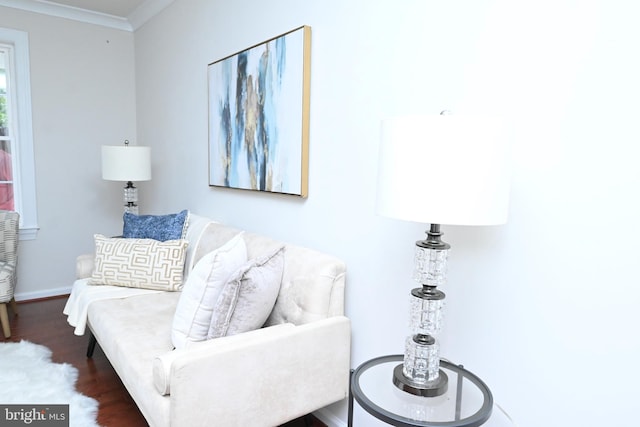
42	322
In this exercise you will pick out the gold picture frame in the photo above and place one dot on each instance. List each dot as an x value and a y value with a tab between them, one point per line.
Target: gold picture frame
259	116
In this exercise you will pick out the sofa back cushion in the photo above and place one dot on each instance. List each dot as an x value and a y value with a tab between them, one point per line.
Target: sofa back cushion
212	237
195	229
312	285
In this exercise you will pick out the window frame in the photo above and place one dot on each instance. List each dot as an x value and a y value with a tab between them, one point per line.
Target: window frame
22	132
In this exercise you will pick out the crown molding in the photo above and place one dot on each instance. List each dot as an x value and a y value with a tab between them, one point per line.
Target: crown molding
135	20
146	11
69	12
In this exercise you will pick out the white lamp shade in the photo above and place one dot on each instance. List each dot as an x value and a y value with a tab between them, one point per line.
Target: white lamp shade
126	163
444	169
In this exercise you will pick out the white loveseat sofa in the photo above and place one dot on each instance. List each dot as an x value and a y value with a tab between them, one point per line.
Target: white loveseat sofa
297	363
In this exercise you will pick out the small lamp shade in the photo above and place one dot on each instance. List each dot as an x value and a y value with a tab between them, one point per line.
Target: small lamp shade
126	163
444	169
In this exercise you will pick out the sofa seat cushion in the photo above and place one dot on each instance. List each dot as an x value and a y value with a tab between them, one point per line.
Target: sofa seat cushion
132	332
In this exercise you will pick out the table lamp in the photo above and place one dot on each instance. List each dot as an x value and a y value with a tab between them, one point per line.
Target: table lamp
127	163
438	169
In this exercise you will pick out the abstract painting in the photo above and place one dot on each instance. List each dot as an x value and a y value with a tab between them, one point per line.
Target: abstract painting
259	116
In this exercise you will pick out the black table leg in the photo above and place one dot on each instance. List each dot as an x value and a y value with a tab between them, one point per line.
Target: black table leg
350	413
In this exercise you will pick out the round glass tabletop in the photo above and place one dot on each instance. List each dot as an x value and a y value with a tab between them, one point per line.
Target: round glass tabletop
467	402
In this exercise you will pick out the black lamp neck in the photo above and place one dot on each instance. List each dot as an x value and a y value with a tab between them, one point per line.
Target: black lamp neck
434	239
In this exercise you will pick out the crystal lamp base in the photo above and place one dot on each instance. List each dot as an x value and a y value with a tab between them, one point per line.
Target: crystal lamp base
433	388
131	208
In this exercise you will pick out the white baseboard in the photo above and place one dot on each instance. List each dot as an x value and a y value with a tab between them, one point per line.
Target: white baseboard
329	418
26	296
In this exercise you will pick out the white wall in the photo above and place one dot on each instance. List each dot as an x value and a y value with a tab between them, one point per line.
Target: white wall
543	308
83	96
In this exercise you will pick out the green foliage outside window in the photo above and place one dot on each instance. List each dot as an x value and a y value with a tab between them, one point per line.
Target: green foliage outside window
3	100
3	111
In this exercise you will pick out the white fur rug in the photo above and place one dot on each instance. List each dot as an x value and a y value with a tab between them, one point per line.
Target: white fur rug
27	376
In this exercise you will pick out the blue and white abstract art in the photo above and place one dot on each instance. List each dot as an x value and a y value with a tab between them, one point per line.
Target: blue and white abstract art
259	116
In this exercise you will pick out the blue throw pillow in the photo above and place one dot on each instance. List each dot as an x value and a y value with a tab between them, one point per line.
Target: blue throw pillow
158	227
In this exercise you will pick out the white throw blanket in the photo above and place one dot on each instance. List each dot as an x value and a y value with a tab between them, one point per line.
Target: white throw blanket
84	294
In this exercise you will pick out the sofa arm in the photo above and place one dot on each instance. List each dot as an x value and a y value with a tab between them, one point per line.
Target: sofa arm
84	266
265	377
162	363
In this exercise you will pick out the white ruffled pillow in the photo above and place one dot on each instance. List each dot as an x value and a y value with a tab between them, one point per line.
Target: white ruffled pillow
201	291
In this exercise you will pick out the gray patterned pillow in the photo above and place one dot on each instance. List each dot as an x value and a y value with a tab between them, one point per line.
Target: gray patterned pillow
248	296
139	263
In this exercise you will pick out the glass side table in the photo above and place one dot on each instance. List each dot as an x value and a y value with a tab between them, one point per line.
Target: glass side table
468	401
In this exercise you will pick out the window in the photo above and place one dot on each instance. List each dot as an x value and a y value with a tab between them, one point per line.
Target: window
17	175
6	168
